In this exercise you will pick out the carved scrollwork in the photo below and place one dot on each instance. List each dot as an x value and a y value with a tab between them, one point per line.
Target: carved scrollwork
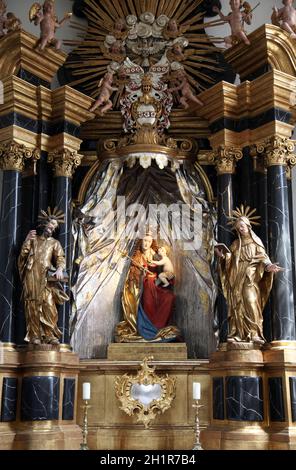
225	159
64	162
146	394
276	150
13	156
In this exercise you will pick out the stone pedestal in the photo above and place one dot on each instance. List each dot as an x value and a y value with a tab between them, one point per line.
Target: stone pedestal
38	391
253	398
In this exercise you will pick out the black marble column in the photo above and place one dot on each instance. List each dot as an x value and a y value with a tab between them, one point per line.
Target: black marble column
291	218
225	235
259	202
44	175
243	193
9	247
280	251
62	198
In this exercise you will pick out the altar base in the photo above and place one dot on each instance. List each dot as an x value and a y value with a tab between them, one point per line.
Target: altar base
253	398
39	399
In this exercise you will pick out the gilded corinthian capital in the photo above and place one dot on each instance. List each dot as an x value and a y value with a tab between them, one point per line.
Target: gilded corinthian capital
13	156
225	159
277	151
64	162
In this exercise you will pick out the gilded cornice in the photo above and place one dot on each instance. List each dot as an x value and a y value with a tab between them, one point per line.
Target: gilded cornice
270	46
225	159
17	51
13	156
71	105
64	162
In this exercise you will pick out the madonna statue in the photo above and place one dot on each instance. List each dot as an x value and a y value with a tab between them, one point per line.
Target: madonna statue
147	301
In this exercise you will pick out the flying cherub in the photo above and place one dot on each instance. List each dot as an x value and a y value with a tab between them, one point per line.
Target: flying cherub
172	30
45	17
106	90
285	18
236	20
182	85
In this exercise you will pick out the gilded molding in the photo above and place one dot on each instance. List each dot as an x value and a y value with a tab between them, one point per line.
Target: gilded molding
225	159
18	51
13	156
277	151
271	46
64	162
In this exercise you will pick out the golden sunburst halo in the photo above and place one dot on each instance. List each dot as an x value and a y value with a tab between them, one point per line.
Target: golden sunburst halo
246	212
89	60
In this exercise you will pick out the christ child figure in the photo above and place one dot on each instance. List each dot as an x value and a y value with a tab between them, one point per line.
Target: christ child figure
167	273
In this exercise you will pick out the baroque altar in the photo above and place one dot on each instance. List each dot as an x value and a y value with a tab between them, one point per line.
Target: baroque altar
145	150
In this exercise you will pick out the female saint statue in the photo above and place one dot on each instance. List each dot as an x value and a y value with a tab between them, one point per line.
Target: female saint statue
147	306
246	274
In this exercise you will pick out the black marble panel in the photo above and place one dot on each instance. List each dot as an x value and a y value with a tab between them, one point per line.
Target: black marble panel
276	399
283	315
10	223
38	126
40	398
292	381
244	398
69	399
218	398
33	79
62	198
9	399
235	125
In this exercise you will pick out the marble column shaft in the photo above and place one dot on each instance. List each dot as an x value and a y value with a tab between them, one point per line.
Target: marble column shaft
9	246
260	203
225	206
62	198
292	234
280	251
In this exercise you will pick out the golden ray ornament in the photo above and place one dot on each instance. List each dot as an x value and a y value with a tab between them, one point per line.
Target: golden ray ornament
147	33
55	214
246	212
